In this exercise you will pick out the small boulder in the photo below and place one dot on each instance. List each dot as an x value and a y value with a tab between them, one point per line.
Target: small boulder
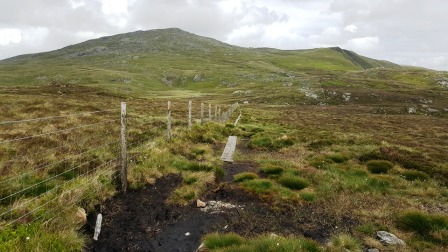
200	204
81	216
389	239
373	250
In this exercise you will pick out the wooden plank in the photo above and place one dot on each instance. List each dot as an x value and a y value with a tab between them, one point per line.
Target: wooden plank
229	150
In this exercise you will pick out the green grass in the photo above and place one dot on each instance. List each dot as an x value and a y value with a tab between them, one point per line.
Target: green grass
344	242
233	242
270	169
293	183
431	226
379	166
244	176
413	175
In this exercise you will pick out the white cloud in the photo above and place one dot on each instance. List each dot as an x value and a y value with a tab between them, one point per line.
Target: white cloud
10	36
363	44
75	4
114	7
351	28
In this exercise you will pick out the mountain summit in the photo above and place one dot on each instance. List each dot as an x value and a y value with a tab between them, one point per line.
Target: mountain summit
157	59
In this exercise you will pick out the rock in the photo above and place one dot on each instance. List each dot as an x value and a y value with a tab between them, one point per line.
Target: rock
246	102
347	96
81	216
187	234
389	239
197	78
288	84
200	203
202	248
412	110
373	250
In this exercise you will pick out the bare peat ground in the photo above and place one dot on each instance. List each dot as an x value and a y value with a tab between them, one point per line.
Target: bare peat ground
142	221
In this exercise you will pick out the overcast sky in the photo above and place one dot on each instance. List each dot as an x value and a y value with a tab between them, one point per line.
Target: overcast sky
410	32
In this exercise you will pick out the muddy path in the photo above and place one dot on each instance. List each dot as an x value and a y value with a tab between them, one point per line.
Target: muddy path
142	221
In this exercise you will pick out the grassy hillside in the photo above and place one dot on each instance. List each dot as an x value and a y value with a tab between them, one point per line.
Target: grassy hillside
156	60
333	146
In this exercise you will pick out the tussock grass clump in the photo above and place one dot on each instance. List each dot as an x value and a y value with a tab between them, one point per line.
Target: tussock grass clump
379	166
308	196
427	225
294	183
272	169
338	158
344	242
259	186
264	141
412	175
234	242
216	241
244	176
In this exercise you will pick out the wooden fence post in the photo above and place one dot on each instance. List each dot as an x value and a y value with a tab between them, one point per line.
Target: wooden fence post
219	114
209	112
216	112
202	113
169	122
189	113
124	159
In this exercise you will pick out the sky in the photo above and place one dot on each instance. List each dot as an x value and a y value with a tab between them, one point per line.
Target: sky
407	32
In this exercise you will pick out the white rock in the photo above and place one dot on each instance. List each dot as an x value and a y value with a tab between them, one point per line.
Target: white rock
187	234
200	203
389	239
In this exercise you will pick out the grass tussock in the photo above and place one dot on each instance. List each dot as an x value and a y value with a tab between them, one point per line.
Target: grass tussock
294	183
244	176
268	243
379	166
344	242
430	226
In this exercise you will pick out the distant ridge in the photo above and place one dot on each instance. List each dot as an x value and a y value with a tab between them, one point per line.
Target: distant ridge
363	62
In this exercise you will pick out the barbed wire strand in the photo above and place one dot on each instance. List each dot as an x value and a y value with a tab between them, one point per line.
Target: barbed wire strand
48	179
56	117
56	132
55	163
55	188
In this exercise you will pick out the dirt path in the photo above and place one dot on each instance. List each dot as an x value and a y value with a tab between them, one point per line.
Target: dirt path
141	221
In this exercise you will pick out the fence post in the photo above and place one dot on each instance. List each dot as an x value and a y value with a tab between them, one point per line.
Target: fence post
219	114
202	113
169	122
209	112
216	112
189	113
124	162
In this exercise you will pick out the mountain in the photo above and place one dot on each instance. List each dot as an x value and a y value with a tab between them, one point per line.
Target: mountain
159	60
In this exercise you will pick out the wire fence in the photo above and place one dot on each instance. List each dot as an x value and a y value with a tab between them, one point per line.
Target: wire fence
42	160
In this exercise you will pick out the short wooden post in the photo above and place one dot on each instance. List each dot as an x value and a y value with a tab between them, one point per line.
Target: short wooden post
216	112
202	113
189	113
209	112
169	122
124	158
219	114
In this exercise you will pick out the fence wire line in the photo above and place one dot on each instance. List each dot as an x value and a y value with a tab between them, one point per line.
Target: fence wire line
57	187
56	117
76	202
58	162
48	179
56	132
19	158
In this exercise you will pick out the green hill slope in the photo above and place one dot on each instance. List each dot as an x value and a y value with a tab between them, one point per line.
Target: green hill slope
167	58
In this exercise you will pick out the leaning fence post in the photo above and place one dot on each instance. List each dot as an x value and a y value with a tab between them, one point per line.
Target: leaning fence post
124	162
219	114
189	113
169	122
202	113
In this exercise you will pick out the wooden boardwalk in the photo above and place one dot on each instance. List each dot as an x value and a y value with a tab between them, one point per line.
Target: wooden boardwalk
229	150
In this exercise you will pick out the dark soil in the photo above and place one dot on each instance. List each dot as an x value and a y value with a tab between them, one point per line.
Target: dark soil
142	221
